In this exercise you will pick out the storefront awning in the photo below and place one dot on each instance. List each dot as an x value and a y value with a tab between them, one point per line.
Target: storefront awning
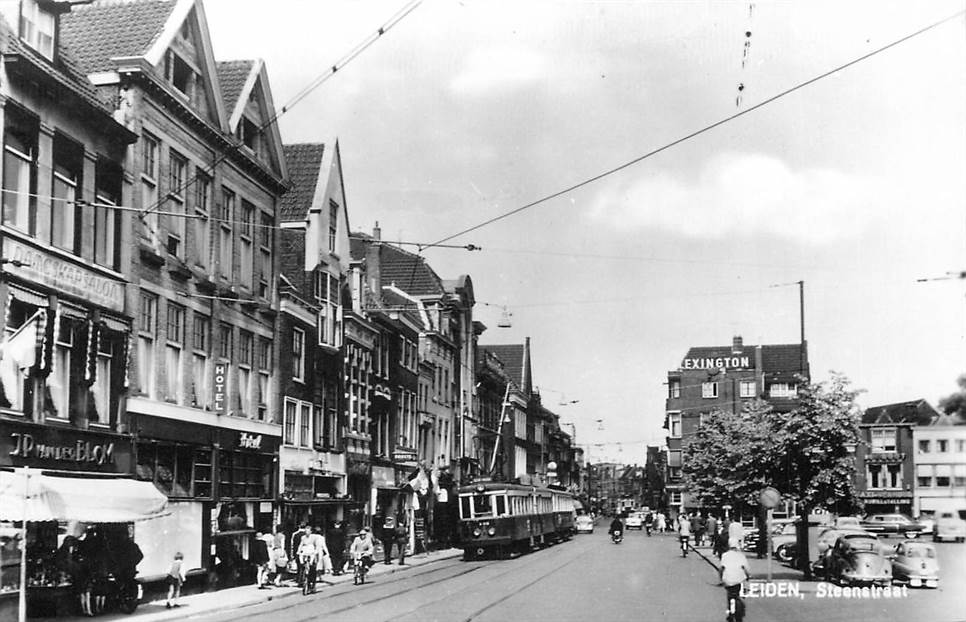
85	499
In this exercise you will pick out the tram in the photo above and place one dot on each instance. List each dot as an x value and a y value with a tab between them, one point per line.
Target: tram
498	519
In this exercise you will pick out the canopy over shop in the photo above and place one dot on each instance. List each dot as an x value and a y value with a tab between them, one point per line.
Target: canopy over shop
46	498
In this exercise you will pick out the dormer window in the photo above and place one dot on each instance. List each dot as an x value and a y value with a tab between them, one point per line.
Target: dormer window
248	133
37	27
179	73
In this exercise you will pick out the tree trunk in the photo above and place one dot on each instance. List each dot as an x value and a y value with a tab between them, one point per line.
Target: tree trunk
804	556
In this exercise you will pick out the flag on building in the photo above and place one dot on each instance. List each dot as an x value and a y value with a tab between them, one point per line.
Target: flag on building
21	345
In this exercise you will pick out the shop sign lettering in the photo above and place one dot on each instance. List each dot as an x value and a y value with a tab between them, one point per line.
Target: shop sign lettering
250	441
721	362
25	446
219	385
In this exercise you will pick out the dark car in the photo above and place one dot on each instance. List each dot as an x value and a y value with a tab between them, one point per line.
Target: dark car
892	524
858	559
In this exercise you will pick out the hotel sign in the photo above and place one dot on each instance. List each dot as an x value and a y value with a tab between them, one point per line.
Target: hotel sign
44	267
719	362
219	396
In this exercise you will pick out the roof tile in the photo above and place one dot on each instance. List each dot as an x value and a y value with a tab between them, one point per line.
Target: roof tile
304	161
232	75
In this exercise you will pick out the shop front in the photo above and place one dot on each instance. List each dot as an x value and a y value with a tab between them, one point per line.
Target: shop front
81	510
313	489
220	485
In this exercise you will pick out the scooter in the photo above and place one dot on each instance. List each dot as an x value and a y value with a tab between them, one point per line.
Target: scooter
617	536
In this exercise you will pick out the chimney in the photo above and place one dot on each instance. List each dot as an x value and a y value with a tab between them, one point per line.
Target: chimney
736	344
377	232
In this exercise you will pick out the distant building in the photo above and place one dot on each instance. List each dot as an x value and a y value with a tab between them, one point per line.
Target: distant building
724	378
940	462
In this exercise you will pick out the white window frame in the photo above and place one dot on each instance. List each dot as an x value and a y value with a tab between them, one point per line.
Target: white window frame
174	354
709	390
783	390
298	354
147	327
150	220
747	388
202	246
177	169
674	425
879	437
37	28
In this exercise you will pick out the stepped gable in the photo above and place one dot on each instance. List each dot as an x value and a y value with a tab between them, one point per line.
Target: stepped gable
303	162
108	29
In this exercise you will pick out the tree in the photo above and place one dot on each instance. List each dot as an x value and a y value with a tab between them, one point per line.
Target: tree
955	404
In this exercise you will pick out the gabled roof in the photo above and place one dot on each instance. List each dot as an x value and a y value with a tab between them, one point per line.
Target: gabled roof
304	163
512	356
401	305
408	272
233	76
916	412
775	359
114	28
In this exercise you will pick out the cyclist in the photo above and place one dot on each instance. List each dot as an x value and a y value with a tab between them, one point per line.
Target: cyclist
684	533
311	550
734	572
361	550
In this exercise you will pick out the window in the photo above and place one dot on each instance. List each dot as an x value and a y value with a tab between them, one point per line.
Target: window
107	220
109	365
674	425
305	424
149	188
884	476
225	341
265	256
298	354
147	327
943	475
747	388
246	242
675	498
65	213
297	424
883	440
173	350
960	445
200	344
924	475
59	379
177	166
202	223
245	354
248	133
288	425
264	377
674	389
330	312
924	446
179	73
333	224
20	132
782	390
709	389
942	445
225	233
37	28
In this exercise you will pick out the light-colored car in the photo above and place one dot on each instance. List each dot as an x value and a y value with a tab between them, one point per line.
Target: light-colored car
916	563
847	522
635	520
949	526
584	524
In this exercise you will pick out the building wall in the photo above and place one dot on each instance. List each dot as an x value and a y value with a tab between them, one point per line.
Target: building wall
940	469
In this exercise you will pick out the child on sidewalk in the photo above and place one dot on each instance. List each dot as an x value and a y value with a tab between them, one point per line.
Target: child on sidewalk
176	577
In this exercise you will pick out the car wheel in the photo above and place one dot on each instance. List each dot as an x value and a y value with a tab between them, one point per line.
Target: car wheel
783	554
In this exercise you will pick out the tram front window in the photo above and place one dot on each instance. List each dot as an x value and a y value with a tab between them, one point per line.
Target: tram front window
482	505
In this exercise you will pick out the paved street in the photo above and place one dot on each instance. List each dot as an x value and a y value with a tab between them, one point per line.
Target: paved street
587	579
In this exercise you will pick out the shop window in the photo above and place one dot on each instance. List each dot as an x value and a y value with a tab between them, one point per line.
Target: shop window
20	132
107	219
203	473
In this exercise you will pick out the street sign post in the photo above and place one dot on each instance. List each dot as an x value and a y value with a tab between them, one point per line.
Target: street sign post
769	498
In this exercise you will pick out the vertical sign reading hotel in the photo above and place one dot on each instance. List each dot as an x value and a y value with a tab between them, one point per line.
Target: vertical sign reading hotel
219	386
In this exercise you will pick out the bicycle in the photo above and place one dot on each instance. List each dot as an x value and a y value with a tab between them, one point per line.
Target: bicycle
307	570
736	606
359	570
684	545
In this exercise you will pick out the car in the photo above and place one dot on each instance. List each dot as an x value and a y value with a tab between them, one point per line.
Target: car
824	542
928	522
887	524
635	520
857	558
949	526
847	522
783	542
916	564
584	524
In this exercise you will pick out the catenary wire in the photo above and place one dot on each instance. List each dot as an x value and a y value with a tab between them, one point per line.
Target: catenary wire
699	132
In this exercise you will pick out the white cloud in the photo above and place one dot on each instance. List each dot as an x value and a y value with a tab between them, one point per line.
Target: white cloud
749	194
491	69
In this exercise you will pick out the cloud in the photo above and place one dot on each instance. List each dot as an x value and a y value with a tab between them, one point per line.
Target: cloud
749	194
489	69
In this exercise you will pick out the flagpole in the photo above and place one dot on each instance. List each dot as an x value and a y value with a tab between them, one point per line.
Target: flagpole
22	616
22	326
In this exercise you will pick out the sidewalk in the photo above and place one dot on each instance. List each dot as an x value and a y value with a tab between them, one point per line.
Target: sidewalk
247	595
759	567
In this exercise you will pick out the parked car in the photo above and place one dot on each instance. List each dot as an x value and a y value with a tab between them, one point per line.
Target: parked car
858	559
949	526
584	524
824	543
784	543
635	520
887	524
928	522
847	522
916	563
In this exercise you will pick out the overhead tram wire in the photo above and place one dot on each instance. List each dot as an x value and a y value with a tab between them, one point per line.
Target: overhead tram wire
701	131
314	84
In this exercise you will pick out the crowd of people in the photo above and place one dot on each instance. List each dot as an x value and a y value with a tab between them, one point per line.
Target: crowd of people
95	560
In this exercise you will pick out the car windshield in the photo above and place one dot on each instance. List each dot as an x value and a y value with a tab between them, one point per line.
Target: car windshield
920	551
863	544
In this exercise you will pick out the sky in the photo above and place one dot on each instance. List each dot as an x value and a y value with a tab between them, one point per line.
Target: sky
467	109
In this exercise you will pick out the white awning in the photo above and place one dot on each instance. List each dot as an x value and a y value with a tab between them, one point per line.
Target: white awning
42	497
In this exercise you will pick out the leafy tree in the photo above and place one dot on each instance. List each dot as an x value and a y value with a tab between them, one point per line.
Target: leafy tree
955	404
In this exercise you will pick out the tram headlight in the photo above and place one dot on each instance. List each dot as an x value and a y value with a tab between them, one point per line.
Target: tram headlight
491	531
477	533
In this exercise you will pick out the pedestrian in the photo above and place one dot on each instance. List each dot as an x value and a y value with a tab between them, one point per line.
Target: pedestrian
661	522
648	522
402	539
387	535
175	579
280	558
262	559
711	528
335	541
736	531
695	519
296	544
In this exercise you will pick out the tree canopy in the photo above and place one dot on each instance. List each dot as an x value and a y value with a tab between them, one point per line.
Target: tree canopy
955	404
806	454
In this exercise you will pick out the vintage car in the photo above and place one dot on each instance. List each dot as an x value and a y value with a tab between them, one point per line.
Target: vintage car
858	559
784	542
635	520
584	524
949	526
886	524
915	563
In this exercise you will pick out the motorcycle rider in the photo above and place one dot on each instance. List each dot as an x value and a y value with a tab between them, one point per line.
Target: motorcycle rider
616	526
